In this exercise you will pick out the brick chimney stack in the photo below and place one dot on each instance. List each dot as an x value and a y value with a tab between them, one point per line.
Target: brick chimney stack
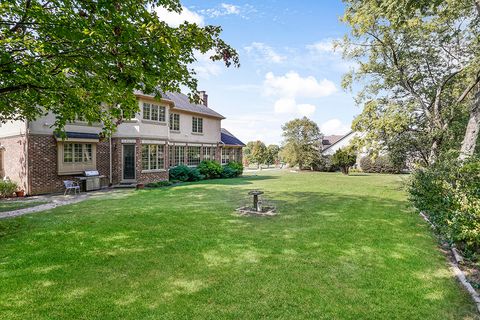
203	98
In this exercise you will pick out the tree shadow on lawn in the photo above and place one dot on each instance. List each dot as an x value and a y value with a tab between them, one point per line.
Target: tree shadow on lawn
352	248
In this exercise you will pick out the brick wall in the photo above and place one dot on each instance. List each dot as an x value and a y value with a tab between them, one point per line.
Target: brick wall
15	161
42	164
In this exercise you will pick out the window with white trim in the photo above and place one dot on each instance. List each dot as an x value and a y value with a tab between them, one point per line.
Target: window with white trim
153	157
153	112
76	157
193	156
225	155
197	125
77	153
174	122
177	155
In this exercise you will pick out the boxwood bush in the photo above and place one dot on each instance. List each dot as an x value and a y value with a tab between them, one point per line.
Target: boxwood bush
185	173
210	169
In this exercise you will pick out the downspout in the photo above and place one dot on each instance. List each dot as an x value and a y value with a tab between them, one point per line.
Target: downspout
110	161
27	159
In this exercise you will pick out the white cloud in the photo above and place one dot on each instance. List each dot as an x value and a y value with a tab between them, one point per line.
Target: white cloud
334	126
293	85
290	106
325	45
230	8
204	67
224	9
262	52
175	19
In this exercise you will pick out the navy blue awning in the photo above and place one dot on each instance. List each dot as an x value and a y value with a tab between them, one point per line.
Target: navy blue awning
80	135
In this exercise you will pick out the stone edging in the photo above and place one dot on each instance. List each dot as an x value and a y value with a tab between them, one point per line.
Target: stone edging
458	259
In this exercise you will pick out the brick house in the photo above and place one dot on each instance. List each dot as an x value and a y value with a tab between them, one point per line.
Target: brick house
163	134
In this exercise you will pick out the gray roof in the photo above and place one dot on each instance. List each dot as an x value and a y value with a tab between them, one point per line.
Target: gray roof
330	141
229	139
182	102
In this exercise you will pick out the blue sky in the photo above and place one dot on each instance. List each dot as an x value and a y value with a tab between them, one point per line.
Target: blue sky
288	66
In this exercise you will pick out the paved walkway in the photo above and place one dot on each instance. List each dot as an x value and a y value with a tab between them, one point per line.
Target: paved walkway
55	200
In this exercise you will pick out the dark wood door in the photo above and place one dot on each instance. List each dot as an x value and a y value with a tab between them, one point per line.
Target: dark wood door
129	162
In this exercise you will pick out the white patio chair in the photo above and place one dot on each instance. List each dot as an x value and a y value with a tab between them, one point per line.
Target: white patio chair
71	185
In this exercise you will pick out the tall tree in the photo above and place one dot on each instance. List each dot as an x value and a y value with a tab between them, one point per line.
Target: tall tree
302	143
85	59
272	154
420	60
257	152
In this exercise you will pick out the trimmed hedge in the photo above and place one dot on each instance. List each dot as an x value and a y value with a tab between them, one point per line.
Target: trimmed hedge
207	169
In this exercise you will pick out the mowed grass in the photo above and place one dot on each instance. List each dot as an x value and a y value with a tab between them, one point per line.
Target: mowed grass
342	247
9	205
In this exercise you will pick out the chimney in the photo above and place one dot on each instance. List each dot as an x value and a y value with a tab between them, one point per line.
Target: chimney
203	98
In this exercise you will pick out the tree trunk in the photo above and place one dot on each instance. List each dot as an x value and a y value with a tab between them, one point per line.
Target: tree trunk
473	127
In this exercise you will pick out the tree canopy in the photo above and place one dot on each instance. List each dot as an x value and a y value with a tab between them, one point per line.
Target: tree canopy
302	143
85	59
418	62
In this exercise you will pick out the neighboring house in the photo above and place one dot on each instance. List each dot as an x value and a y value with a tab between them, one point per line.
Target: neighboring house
330	144
164	134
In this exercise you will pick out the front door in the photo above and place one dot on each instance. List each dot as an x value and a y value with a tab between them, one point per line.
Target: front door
128	162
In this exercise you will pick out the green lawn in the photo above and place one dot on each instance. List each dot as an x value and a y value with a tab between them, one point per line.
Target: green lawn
9	205
343	247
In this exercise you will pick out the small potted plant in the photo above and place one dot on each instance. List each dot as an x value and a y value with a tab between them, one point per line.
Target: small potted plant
20	193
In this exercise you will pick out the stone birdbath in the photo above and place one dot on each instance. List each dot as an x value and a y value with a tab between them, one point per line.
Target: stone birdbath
255	194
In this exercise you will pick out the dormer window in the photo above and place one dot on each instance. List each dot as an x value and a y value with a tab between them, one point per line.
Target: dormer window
153	112
197	125
174	122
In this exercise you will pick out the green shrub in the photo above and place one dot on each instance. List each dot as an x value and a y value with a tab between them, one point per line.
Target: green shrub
325	164
185	173
7	188
237	166
381	164
229	172
449	193
344	159
210	169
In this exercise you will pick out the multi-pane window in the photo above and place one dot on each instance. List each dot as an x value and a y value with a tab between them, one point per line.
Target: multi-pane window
197	125
225	155
77	153
152	157
209	153
174	122
193	156
177	155
153	112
